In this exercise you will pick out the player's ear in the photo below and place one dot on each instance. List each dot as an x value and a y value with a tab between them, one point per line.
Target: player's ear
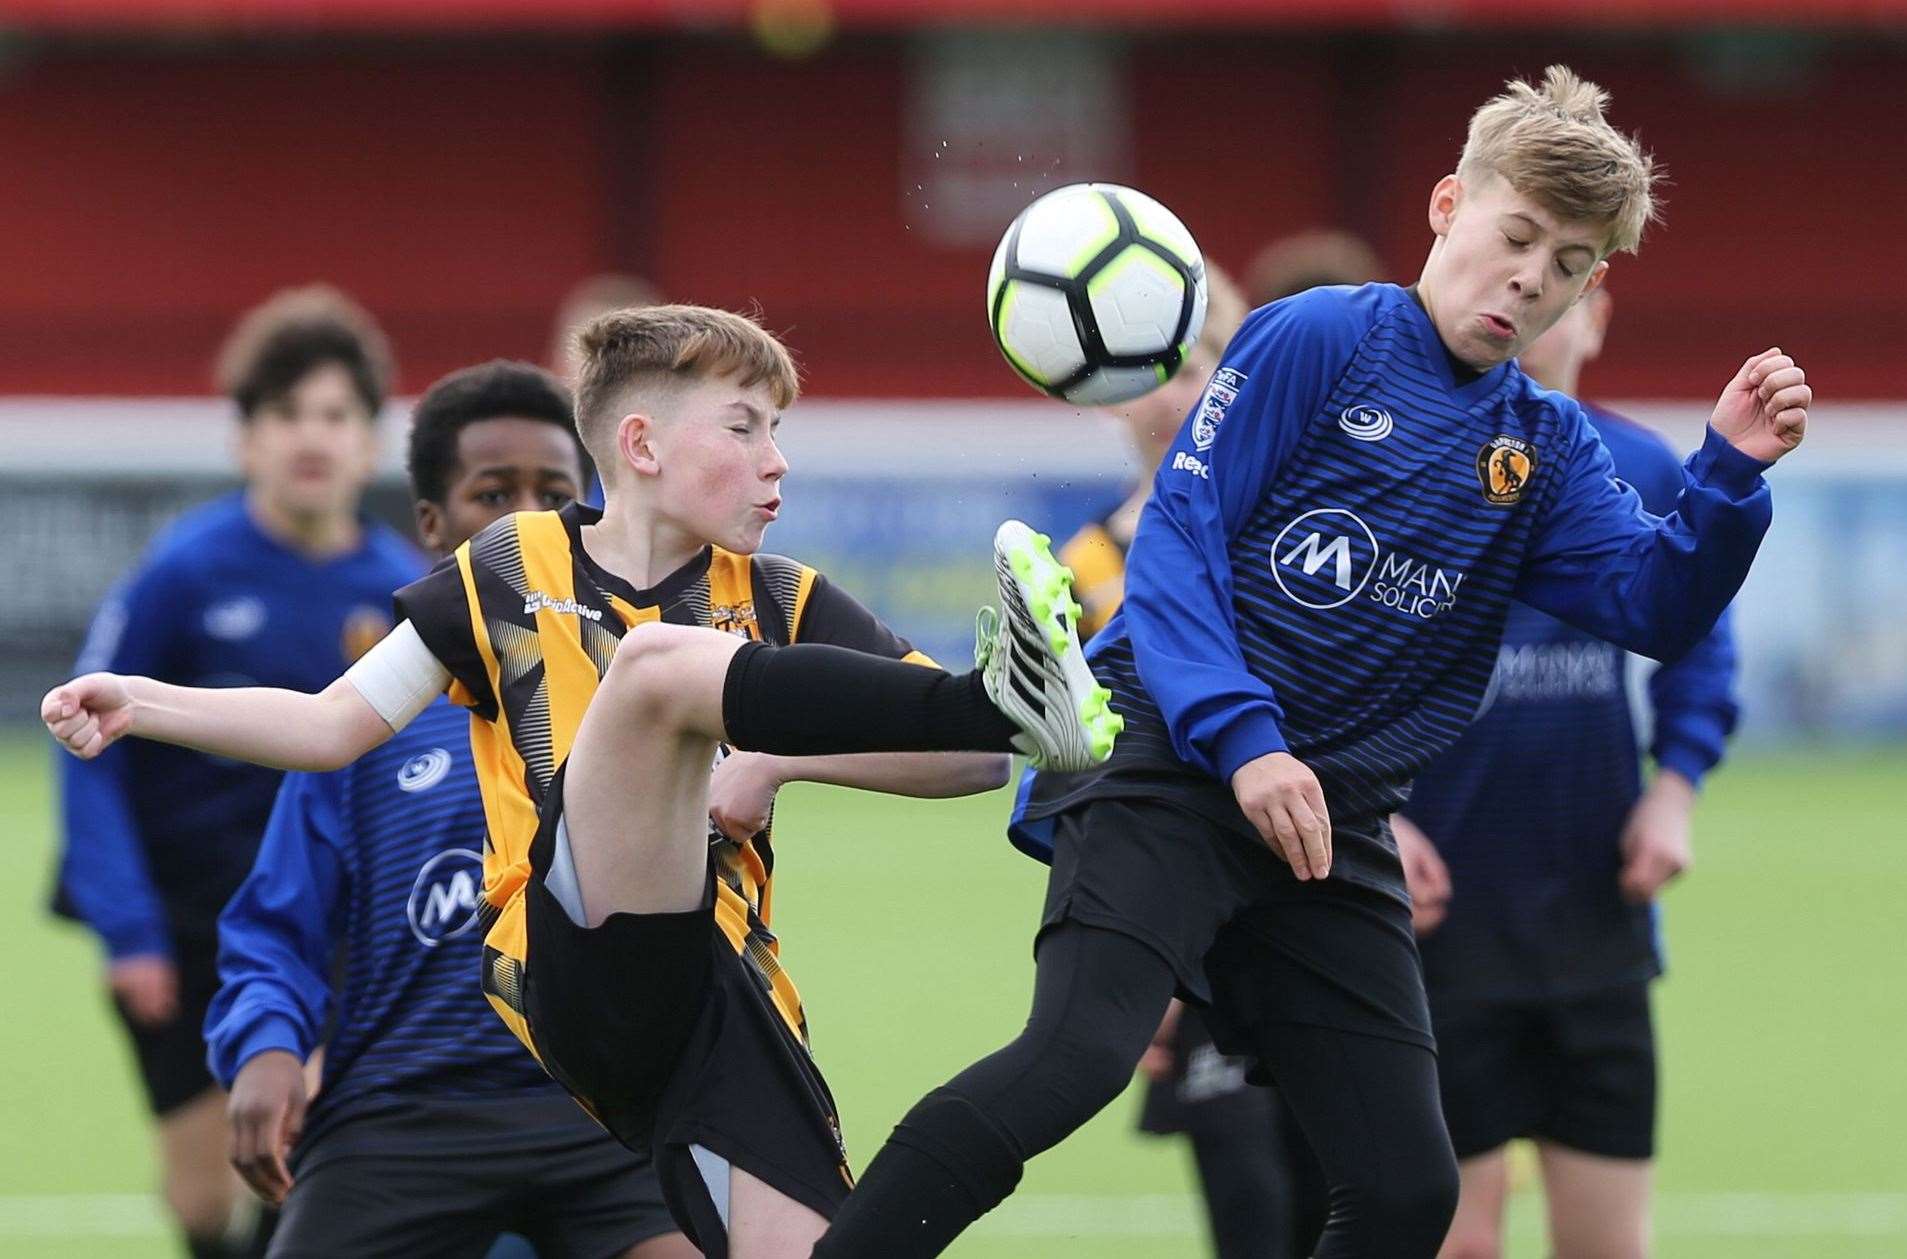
1597	274
1445	197
430	524
635	442
1600	306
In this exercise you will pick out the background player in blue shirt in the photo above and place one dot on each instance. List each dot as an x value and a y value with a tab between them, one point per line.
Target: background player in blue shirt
281	584
1538	920
1313	604
434	1129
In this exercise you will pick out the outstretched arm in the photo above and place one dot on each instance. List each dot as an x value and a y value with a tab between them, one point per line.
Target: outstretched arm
1656	585
263	725
742	790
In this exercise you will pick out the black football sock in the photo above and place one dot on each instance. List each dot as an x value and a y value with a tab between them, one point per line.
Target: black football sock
812	699
946	1165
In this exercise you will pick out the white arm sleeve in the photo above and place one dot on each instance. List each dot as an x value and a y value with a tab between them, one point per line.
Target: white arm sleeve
399	677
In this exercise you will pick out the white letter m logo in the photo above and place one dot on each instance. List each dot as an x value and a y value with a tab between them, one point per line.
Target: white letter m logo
1313	553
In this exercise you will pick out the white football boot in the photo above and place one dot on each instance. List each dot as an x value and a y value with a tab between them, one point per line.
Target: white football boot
1029	657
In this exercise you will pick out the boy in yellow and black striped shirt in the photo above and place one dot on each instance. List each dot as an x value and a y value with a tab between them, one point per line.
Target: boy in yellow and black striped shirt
607	659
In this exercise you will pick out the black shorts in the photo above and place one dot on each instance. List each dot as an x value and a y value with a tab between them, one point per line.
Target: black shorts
445	1177
1243	936
1578	1071
660	1029
171	1057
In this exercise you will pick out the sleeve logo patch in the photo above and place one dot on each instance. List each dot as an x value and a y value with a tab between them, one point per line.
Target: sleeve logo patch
1219	394
1505	466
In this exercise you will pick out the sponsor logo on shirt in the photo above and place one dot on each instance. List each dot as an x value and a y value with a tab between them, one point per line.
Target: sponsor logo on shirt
424	771
1328	556
1220	393
443	901
1366	423
1505	465
235	620
1556	671
1182	462
536	599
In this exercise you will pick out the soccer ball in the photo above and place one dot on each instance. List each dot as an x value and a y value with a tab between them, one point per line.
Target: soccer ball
1096	294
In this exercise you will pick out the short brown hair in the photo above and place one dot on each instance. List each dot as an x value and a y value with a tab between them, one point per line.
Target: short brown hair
662	346
294	332
1553	144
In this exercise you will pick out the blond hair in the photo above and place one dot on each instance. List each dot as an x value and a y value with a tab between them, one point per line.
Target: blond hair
1552	143
625	357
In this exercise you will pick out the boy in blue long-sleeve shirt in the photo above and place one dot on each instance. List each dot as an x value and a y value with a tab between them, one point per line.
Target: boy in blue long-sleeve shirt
1313	602
281	584
433	1130
1533	854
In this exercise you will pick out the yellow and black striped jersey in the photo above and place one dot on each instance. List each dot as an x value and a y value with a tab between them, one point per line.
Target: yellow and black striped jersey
527	624
1098	562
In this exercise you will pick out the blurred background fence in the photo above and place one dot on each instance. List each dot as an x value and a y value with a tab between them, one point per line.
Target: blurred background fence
898	500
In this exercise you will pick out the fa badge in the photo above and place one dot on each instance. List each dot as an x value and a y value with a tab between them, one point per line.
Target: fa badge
1219	394
1505	465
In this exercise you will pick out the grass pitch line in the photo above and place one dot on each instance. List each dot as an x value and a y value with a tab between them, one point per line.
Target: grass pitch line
82	1215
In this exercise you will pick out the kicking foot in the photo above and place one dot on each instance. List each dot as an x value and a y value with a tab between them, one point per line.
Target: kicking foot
1030	659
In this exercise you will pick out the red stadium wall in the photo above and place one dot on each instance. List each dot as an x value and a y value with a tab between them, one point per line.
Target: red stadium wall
459	189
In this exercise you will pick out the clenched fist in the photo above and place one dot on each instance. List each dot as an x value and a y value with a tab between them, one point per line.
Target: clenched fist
88	714
1764	411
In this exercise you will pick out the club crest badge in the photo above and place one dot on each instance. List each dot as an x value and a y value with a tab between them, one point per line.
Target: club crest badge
736	618
1505	466
364	629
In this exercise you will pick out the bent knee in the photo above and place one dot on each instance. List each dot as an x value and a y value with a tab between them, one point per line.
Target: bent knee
652	642
648	656
1096	1070
1401	1213
1421	1206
